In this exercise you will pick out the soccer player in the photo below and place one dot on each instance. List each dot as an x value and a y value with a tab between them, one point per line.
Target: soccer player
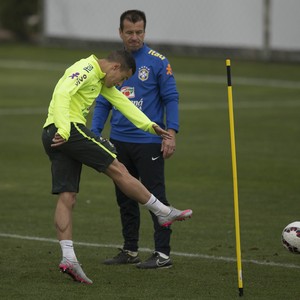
70	144
153	90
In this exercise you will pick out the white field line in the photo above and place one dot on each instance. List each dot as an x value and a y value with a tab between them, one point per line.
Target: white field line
48	66
182	254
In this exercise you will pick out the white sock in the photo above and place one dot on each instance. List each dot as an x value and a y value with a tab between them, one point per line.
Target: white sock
162	255
68	250
132	253
158	208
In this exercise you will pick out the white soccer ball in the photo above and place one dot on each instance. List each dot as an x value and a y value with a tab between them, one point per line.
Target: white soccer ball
290	237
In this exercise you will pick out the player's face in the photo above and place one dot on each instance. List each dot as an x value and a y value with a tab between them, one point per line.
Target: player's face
133	35
115	76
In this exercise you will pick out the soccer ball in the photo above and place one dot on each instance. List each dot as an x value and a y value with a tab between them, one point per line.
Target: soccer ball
290	237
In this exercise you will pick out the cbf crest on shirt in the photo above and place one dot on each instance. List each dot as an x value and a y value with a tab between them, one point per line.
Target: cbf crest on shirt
143	74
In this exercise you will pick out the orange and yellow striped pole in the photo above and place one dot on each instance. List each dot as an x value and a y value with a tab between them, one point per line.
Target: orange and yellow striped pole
235	180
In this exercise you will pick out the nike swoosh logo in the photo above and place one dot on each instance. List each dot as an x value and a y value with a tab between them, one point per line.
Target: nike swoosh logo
155	158
160	264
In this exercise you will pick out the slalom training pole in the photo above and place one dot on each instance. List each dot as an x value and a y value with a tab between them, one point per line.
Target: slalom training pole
235	181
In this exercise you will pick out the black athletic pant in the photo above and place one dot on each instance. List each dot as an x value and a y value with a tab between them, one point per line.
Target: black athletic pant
144	162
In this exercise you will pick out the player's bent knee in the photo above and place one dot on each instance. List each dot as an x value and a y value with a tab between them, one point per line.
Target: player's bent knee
116	170
68	198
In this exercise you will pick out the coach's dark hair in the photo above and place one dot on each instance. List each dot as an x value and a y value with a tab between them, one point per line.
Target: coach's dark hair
123	57
132	16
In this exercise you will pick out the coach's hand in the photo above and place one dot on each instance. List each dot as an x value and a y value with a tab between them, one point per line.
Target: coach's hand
168	146
161	132
57	140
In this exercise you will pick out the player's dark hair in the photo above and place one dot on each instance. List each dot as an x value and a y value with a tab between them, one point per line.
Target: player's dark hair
123	57
132	16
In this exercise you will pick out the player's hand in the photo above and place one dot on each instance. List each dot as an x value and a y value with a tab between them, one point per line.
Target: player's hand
57	140
161	132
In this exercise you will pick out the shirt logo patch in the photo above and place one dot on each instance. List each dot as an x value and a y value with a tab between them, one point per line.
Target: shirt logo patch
74	75
88	68
128	91
138	103
143	73
80	79
169	70
156	54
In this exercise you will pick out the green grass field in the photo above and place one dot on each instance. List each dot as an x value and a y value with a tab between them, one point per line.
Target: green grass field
266	108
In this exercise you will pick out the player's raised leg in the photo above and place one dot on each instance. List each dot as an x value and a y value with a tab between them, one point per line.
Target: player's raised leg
135	190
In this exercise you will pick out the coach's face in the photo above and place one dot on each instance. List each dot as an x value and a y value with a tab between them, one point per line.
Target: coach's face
133	35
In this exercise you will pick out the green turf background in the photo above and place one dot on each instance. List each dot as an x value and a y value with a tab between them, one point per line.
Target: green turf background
267	108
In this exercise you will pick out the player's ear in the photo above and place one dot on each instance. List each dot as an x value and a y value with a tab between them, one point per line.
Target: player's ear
116	66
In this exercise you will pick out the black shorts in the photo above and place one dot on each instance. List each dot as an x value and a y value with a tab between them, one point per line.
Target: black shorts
83	147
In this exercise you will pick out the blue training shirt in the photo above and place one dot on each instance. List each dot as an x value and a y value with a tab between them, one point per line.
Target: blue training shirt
153	90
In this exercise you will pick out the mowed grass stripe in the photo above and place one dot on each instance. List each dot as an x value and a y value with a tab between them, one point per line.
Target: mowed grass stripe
188	78
183	254
183	107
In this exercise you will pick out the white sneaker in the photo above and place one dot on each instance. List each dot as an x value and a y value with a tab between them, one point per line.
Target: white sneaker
174	215
74	270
